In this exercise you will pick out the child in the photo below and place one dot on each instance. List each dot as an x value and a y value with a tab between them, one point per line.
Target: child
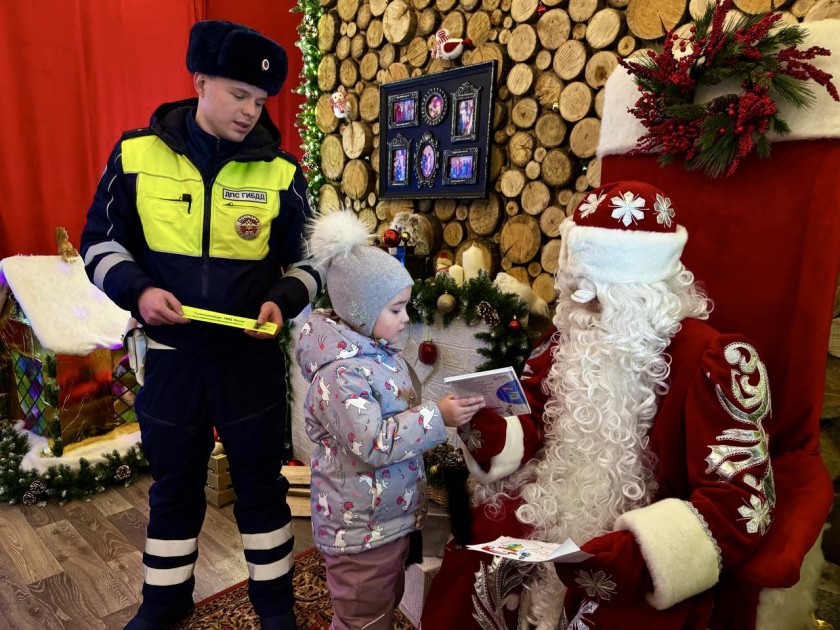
369	427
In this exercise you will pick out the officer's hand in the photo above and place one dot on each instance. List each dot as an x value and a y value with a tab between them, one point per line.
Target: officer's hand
159	307
269	312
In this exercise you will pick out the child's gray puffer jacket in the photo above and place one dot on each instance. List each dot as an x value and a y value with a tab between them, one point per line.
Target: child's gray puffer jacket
368	481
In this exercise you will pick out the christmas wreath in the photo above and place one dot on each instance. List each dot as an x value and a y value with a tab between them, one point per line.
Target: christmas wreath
716	136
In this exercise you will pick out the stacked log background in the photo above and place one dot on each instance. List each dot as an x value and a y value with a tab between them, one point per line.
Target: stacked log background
553	58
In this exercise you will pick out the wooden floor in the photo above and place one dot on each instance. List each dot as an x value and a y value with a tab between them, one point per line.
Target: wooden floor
80	566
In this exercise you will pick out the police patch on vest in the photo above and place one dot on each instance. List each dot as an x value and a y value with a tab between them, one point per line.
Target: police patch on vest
248	227
256	196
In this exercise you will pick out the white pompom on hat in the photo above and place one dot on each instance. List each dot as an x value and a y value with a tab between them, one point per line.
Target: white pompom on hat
361	279
622	232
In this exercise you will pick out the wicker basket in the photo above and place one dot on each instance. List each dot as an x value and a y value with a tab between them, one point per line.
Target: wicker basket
439	496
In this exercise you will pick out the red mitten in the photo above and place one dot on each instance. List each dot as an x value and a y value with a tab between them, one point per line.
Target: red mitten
616	575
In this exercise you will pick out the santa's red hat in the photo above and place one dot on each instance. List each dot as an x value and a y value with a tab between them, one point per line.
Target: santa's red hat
623	232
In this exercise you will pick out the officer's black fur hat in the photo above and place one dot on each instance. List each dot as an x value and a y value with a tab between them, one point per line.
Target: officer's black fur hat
224	49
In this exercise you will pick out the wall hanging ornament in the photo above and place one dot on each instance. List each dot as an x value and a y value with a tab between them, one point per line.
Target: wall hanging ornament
716	136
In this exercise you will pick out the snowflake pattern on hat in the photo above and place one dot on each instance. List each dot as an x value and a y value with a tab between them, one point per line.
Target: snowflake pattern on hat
664	211
591	203
628	208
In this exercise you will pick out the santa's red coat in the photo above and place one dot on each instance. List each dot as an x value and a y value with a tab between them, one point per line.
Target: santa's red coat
702	532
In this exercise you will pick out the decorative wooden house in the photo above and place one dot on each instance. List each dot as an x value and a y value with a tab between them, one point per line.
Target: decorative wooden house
57	333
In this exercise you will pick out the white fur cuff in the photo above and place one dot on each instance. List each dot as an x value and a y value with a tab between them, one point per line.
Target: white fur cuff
682	557
507	460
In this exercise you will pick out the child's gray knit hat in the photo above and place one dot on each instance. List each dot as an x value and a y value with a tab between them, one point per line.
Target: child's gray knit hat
361	279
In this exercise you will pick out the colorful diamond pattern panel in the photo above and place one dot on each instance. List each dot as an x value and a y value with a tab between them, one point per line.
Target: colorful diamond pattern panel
29	380
124	387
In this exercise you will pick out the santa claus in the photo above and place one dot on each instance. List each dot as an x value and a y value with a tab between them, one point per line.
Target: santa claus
647	445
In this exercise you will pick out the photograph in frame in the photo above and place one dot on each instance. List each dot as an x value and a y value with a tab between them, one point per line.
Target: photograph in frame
460	166
427	160
402	110
465	113
435	106
399	161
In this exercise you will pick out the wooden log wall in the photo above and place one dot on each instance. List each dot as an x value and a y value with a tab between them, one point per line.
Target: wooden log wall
552	57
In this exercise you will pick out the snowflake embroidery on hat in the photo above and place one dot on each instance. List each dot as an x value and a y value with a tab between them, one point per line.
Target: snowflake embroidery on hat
591	203
664	211
596	584
470	437
628	208
757	515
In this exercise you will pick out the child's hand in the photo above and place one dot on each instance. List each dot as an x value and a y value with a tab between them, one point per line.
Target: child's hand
457	411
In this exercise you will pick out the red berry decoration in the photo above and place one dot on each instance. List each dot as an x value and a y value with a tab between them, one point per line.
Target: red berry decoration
541	8
427	352
391	238
514	325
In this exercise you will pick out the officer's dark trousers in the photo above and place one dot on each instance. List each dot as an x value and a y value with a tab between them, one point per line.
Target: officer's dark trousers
183	397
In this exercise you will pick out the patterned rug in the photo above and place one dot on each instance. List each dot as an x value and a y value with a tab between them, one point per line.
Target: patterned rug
231	610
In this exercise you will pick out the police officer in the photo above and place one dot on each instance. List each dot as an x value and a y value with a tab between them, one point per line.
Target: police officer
202	209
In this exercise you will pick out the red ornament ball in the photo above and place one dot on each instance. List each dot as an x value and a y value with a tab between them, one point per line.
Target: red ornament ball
295	462
514	325
427	352
391	237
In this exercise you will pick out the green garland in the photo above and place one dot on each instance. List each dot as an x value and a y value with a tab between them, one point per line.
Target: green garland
60	483
311	136
506	343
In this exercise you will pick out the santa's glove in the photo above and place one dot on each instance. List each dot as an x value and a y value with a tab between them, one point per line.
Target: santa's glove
484	436
498	445
616	575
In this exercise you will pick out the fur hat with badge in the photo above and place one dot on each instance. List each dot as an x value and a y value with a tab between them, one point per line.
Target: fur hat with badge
361	279
223	49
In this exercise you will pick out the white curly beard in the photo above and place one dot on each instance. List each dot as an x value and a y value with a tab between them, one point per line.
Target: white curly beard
607	373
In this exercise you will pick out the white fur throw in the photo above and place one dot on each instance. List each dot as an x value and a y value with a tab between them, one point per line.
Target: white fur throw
68	314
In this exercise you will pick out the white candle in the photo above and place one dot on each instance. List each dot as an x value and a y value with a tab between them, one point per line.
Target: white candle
473	260
456	272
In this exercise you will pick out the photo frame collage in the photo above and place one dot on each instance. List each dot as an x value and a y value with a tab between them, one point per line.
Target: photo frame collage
437	134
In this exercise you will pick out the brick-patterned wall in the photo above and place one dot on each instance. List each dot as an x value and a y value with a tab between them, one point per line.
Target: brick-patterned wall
456	355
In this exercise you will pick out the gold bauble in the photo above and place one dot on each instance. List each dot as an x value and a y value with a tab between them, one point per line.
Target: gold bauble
446	303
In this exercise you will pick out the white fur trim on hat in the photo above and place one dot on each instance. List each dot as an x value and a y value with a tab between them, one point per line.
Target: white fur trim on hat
682	557
615	255
507	460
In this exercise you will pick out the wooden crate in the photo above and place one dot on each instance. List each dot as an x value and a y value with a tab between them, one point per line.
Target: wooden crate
218	464
297	475
219	488
219	482
219	498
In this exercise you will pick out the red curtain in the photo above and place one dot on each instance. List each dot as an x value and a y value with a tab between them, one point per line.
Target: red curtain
77	73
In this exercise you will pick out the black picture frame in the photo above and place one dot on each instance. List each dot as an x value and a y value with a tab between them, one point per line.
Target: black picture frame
427	160
399	161
460	166
435	106
465	114
431	127
402	110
